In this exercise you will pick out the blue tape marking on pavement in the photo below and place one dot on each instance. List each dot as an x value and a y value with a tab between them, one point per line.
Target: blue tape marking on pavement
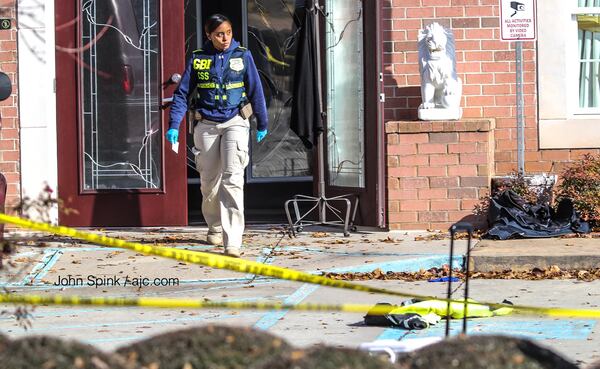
541	329
265	257
53	260
266	251
271	318
404	265
40	269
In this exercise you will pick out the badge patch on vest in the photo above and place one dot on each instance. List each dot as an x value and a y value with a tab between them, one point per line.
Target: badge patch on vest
236	64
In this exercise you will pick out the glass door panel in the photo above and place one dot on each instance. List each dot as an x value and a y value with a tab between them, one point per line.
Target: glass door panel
120	95
345	93
272	39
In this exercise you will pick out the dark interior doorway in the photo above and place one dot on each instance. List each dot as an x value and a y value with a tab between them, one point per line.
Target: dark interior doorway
282	167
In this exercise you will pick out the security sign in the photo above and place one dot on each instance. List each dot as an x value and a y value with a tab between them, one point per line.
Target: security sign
5	23
518	20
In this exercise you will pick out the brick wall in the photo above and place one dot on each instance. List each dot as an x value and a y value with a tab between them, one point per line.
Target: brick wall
486	67
437	171
9	111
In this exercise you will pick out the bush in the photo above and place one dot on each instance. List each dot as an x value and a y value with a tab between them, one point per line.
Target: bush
326	357
521	185
53	353
208	347
580	181
484	352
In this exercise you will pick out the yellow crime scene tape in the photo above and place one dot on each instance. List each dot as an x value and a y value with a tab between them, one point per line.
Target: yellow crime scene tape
239	265
179	303
149	302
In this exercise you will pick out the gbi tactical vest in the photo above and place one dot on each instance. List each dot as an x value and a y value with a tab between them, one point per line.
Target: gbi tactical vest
221	89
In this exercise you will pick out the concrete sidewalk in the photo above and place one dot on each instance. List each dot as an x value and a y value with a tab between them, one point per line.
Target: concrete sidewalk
70	267
316	250
36	269
362	251
389	251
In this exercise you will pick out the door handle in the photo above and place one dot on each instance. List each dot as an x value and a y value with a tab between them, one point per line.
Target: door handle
175	78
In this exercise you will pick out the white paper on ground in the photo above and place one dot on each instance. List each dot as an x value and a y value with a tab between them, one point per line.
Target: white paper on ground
393	347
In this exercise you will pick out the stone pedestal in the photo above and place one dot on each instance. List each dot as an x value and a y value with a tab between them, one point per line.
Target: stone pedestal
440	114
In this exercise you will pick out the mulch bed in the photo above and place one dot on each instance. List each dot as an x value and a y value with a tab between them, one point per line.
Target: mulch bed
324	357
45	352
484	352
222	347
553	272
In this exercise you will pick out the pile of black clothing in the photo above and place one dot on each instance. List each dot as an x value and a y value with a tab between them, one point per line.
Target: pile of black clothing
510	216
408	321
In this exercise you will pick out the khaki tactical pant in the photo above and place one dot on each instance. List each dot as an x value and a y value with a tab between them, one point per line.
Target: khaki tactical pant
221	151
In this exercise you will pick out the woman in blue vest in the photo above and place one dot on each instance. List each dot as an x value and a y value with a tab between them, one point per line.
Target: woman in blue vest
220	80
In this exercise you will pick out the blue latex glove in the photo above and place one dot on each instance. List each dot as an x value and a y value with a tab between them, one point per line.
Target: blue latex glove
260	135
172	135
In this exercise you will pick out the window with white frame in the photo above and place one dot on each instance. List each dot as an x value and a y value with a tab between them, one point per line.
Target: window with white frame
588	41
568	66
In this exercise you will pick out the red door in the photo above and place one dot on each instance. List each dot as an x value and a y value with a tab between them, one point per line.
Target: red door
114	63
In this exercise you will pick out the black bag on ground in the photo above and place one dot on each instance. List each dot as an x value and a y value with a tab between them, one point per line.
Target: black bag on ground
510	216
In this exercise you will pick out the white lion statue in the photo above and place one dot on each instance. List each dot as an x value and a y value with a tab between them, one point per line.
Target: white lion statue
441	89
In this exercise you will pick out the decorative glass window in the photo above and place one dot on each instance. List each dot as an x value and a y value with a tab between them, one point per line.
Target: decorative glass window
345	93
273	30
119	88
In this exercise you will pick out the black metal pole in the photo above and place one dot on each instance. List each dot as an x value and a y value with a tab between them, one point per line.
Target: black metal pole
467	270
321	139
449	294
466	227
520	104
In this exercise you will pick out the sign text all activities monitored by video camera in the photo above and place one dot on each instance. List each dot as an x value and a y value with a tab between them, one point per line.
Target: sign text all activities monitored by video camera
518	20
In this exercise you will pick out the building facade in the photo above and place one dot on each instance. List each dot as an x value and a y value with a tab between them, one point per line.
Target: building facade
438	171
9	109
408	174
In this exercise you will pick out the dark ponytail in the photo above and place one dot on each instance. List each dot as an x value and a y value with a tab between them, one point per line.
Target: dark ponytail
214	21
